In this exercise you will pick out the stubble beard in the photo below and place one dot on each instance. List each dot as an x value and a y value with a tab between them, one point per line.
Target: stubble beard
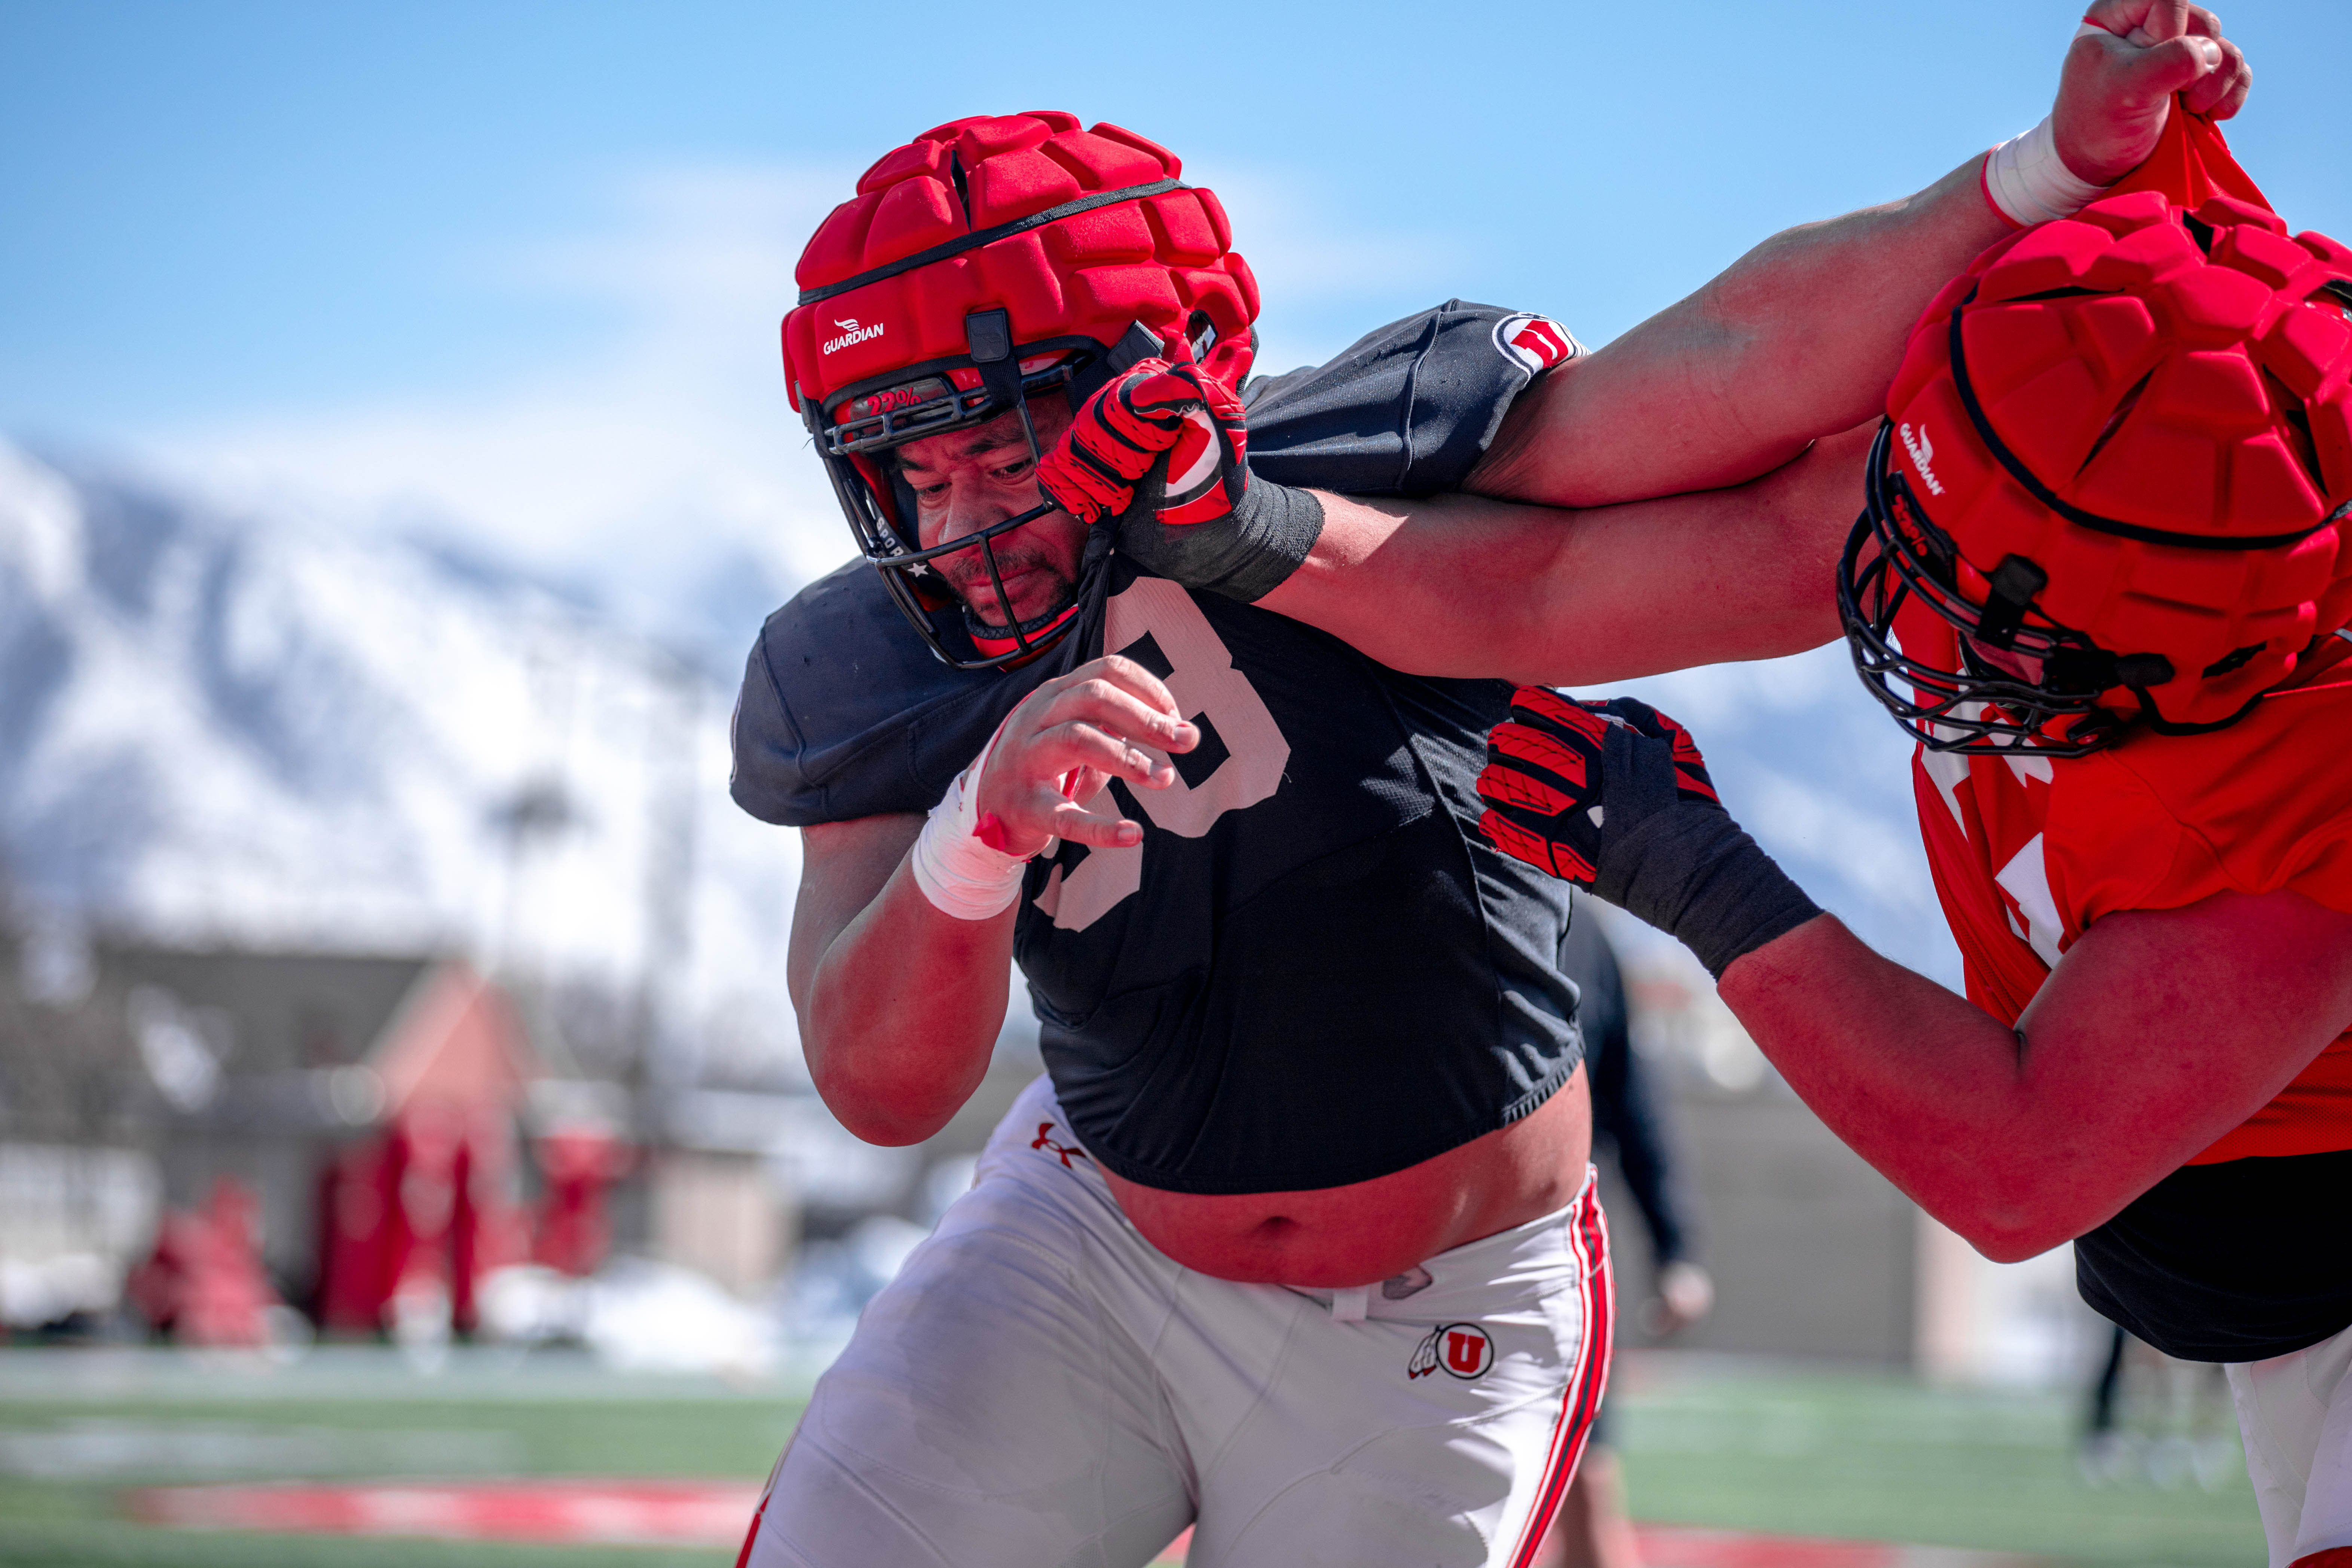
980	597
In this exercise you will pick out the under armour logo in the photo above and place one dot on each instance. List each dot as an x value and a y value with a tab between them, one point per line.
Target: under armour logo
1044	1140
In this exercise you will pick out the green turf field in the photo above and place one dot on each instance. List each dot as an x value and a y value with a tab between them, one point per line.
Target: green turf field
1704	1443
1882	1458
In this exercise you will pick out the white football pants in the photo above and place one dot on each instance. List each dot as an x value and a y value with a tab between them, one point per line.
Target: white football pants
1040	1387
2296	1411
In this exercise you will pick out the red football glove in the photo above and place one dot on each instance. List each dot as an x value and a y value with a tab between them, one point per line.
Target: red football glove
1187	413
1543	777
1162	452
1659	845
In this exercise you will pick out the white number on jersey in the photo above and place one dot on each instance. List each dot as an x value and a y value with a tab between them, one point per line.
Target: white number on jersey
1206	684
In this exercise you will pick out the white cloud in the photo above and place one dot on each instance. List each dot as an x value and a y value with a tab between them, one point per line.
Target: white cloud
1327	278
630	464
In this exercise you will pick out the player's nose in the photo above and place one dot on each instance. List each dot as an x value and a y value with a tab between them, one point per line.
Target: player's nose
972	506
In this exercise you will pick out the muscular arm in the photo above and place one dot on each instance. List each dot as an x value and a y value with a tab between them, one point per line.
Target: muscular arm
1802	336
899	1004
1795	341
2159	1031
1462	585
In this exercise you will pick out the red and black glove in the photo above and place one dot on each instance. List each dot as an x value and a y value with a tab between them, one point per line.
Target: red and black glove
1164	451
1614	796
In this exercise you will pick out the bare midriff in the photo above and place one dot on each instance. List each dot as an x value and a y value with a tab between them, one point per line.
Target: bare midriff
1333	1237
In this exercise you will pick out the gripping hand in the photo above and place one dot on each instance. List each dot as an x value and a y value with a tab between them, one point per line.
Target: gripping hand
1614	796
1163	451
1157	409
2123	73
1545	780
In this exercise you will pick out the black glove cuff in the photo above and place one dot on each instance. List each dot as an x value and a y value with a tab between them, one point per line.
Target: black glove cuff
1244	555
1695	874
1282	525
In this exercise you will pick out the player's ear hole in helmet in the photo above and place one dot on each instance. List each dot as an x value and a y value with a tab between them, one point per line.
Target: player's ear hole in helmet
2107	493
990	262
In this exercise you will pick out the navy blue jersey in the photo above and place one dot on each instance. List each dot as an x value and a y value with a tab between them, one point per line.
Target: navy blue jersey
1313	971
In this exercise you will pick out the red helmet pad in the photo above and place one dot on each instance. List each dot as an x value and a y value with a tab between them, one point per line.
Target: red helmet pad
1154	257
985	263
2162	426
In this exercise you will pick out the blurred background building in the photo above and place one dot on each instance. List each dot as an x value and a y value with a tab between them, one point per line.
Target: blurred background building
397	1147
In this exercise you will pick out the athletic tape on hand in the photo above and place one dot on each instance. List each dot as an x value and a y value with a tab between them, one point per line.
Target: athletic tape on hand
962	876
2028	183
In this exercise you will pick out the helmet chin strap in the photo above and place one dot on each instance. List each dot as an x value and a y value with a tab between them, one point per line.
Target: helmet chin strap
1033	631
994	641
2163	726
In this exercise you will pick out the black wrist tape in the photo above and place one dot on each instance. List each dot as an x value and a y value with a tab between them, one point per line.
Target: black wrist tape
1695	874
1245	555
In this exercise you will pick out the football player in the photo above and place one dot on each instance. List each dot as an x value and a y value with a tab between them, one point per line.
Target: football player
2102	579
1296	1243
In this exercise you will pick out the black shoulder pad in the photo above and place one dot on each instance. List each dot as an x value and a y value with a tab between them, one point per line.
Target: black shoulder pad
1408	409
844	712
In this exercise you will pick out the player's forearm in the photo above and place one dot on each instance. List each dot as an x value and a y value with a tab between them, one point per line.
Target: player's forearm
1933	1092
902	1013
1798	338
2158	1032
1466	586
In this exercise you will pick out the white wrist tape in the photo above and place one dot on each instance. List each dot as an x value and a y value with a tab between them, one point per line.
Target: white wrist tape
959	875
2026	178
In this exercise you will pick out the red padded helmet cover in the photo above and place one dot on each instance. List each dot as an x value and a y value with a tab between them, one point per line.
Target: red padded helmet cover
2201	389
1156	258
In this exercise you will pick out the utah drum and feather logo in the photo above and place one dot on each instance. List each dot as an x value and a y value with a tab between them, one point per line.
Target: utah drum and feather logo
1460	1350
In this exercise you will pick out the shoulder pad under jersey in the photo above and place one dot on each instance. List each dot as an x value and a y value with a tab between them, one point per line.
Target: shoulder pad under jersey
845	713
1409	409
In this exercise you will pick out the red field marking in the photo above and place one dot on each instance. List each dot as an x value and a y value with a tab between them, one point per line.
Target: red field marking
710	1513
681	1513
1675	1546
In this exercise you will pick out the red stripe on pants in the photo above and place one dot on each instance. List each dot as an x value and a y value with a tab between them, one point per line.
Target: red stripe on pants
1586	1381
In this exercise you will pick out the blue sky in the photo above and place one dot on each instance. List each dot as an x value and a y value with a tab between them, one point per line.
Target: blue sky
517	268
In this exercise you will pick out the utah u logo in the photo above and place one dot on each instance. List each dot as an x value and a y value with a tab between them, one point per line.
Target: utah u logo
1537	342
1044	1141
1464	1350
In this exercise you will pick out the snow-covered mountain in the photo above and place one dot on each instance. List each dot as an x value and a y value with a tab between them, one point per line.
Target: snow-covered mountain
230	727
237	729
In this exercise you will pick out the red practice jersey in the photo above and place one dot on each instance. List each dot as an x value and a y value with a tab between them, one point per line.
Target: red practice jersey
2029	851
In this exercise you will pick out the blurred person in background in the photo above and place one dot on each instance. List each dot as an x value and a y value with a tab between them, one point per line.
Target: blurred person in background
1594	1528
2155	1417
